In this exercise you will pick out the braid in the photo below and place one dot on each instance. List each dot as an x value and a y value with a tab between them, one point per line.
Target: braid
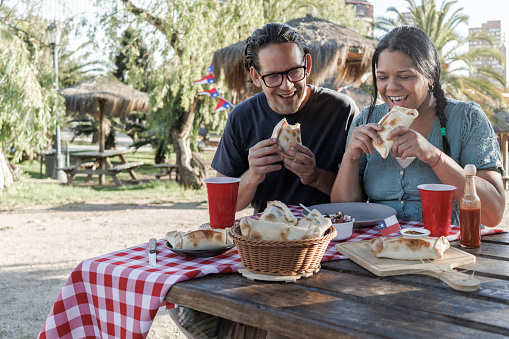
439	95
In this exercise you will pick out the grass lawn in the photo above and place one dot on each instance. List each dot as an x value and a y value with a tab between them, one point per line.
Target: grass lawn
30	189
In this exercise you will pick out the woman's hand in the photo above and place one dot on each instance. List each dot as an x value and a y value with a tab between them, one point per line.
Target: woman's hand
409	143
360	141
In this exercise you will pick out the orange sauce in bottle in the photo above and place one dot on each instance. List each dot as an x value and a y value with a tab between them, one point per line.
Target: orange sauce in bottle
470	212
470	221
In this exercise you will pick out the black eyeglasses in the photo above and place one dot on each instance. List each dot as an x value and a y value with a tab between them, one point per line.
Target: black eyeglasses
276	79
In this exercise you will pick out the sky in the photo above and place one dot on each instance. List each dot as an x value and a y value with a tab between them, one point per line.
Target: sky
479	11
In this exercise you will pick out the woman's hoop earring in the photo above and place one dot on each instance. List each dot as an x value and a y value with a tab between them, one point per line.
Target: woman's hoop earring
431	88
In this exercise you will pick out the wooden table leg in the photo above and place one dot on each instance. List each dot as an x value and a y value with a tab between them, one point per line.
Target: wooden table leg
102	167
115	179
89	176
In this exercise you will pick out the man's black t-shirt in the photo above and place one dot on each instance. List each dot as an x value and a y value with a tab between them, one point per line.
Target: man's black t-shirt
324	122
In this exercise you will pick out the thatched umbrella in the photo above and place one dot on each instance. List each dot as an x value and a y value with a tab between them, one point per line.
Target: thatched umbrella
335	50
102	96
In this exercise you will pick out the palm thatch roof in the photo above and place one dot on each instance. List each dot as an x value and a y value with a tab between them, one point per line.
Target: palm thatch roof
102	96
119	99
336	51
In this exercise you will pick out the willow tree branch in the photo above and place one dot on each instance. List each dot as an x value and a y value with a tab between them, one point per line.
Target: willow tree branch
155	21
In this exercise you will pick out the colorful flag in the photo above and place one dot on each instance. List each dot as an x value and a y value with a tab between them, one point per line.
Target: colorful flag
342	88
212	92
222	104
210	69
208	79
389	226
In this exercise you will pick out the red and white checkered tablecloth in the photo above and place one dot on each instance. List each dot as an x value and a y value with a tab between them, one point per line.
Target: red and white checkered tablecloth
117	295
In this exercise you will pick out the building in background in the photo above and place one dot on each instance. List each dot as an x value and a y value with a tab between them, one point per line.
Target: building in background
363	10
498	35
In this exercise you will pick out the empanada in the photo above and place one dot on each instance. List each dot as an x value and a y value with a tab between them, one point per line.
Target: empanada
409	249
278	231
199	239
286	135
398	116
277	211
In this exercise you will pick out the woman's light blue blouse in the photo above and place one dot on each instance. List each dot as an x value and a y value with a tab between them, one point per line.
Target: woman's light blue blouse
471	139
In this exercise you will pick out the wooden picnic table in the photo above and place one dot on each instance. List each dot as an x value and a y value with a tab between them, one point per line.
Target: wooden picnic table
166	169
344	299
101	165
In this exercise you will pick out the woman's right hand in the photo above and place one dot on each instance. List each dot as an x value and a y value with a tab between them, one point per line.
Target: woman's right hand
360	141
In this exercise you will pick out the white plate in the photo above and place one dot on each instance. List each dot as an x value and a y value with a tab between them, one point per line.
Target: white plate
365	214
423	233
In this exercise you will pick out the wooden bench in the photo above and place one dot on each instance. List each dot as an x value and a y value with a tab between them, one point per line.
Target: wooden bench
128	166
124	167
71	169
166	169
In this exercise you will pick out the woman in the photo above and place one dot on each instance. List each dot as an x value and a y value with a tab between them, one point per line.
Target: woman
447	135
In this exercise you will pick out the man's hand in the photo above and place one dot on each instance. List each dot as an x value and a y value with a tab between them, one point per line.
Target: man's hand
304	166
262	157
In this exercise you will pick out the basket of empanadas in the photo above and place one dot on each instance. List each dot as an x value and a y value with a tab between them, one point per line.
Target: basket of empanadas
280	244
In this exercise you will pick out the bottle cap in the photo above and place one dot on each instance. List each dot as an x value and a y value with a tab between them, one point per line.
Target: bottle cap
470	169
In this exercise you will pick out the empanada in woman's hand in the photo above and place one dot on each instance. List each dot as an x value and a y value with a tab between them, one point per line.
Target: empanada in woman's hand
398	116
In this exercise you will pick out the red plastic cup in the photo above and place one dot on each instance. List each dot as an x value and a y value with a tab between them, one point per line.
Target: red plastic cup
436	202
222	195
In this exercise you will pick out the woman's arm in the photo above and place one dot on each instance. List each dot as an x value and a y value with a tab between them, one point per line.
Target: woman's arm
348	184
488	183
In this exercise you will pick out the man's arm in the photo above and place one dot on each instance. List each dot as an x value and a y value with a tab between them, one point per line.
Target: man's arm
262	157
305	168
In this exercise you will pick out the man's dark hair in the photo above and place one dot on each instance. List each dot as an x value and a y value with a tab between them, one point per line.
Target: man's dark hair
415	43
271	33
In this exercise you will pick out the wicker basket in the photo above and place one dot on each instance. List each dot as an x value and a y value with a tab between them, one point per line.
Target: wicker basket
272	257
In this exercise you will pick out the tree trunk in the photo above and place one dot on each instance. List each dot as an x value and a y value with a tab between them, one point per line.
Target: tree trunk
180	132
6	178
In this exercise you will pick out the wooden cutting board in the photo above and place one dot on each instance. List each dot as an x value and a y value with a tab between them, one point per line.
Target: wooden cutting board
361	253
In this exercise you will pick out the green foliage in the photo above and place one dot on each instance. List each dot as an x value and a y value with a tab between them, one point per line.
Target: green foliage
29	103
187	34
132	60
25	116
441	25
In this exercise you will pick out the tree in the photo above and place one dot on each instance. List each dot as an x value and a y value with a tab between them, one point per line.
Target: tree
133	57
441	26
186	35
25	115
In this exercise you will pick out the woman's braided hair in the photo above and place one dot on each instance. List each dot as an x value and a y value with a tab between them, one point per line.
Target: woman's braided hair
415	43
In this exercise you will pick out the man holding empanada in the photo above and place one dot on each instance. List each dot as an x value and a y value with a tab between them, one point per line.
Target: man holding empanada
278	61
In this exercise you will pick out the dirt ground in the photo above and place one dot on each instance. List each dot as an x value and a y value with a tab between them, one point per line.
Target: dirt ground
40	247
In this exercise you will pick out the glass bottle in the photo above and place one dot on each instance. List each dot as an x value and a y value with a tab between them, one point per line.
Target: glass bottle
470	212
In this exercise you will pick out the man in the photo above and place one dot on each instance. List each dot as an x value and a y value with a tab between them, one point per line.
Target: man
278	60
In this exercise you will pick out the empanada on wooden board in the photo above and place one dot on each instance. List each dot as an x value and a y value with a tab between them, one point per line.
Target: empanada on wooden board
409	249
398	116
361	253
286	135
